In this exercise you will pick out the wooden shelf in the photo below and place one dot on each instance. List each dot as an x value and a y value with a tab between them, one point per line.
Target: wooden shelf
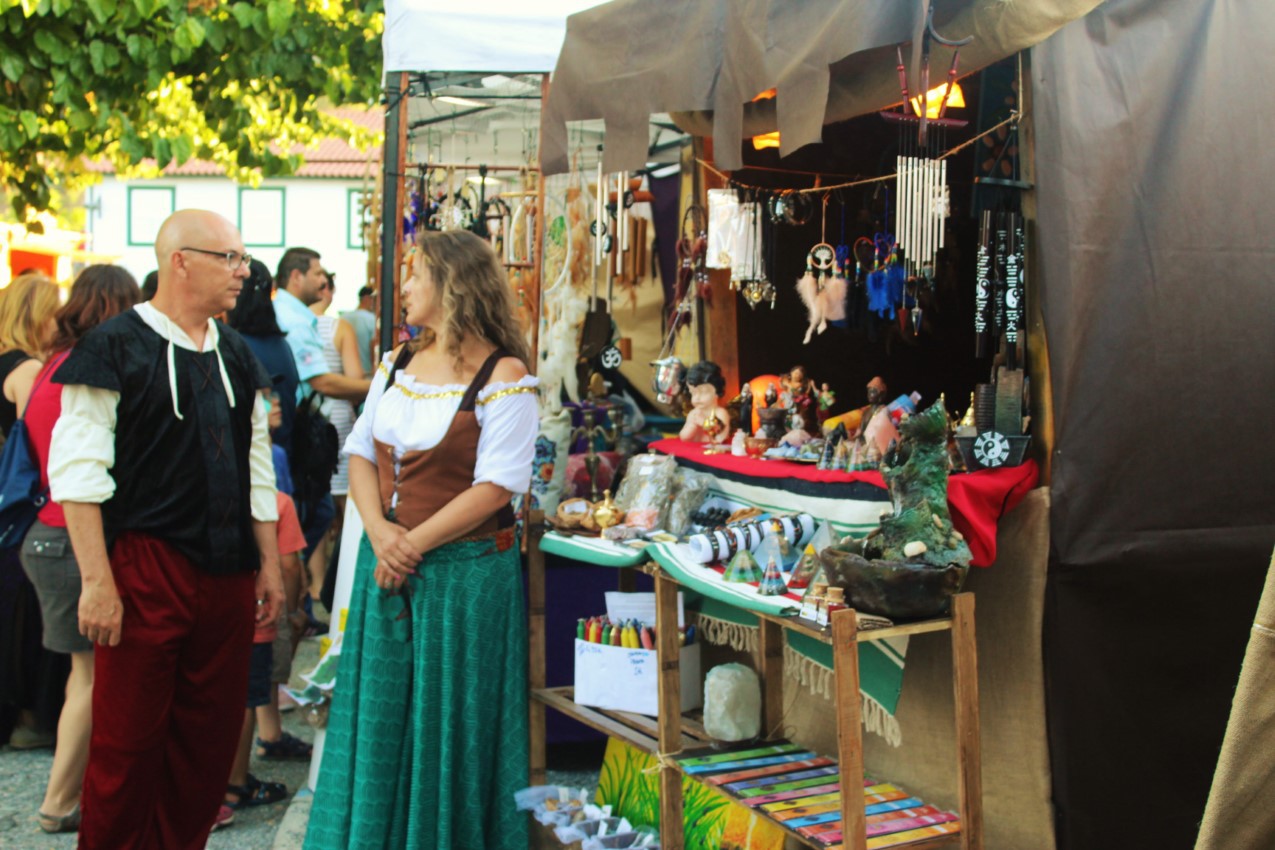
641	731
671	732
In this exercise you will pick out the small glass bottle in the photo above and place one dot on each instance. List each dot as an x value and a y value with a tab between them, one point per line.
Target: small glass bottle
835	601
812	601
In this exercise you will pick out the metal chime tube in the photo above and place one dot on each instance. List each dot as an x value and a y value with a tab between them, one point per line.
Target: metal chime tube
917	190
599	216
899	204
905	208
946	209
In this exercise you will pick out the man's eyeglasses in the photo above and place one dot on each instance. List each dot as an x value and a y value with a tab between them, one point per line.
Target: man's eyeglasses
234	260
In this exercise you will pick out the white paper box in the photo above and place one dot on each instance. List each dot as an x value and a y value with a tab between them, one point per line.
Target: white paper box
628	679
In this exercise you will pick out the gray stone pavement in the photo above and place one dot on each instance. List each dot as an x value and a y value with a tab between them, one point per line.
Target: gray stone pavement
282	826
23	775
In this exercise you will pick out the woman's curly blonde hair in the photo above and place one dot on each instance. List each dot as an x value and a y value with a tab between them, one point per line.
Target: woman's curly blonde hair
26	305
475	293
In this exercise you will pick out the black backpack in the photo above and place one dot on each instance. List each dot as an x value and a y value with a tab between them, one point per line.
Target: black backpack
315	453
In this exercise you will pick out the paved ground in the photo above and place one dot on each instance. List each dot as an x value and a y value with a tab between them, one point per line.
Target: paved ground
279	827
23	776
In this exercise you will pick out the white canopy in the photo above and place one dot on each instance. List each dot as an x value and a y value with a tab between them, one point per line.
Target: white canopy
476	35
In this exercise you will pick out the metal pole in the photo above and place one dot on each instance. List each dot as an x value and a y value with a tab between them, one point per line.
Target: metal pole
391	206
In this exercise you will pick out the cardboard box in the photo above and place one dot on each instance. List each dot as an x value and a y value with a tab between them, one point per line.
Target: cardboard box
629	679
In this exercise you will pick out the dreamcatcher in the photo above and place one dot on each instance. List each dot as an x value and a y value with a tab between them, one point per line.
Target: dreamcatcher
822	288
692	270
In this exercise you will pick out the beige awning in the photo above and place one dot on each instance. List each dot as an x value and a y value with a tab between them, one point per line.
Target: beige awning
705	61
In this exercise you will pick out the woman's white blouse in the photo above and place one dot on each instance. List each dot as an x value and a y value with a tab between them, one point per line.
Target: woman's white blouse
414	416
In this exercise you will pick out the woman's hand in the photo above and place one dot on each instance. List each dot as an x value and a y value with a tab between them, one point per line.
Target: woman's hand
393	549
386	579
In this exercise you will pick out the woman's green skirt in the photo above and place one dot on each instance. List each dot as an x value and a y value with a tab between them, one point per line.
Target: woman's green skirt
427	738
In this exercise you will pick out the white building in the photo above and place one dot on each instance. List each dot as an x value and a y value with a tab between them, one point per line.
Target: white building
321	207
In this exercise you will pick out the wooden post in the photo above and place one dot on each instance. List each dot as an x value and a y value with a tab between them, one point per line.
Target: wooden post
670	718
536	644
394	160
627	581
771	646
845	661
968	743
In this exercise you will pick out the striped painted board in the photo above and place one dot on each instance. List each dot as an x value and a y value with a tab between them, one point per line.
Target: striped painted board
772	770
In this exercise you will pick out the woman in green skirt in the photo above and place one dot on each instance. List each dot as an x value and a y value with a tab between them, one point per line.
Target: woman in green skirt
427	737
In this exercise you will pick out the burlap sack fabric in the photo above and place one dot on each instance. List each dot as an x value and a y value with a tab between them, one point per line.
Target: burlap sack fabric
1239	815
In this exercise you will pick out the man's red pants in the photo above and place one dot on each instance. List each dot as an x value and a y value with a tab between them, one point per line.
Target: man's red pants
168	701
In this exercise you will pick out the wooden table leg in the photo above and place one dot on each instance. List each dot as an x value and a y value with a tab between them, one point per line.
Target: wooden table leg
536	646
968	742
771	647
845	660
670	717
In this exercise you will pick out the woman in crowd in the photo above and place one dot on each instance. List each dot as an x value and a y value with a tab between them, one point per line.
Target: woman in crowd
341	353
99	293
253	316
30	677
427	738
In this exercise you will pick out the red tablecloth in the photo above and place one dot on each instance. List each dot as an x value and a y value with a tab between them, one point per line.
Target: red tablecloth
977	500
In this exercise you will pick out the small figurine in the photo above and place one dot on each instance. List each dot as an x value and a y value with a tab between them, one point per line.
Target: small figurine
772	395
876	428
827	398
801	394
590	432
737	447
746	408
707	422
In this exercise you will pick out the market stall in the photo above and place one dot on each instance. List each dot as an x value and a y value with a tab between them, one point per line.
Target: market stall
1107	161
964	220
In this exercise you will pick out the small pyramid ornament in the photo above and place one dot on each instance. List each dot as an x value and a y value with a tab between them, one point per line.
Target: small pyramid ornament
806	568
772	581
743	568
788	555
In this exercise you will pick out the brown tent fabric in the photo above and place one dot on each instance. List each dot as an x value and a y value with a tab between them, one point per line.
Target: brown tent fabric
1154	262
1239	814
705	61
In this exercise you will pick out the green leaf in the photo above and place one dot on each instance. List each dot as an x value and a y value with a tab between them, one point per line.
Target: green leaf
183	149
135	46
147	8
97	56
30	123
279	14
245	14
51	45
101	9
162	151
11	65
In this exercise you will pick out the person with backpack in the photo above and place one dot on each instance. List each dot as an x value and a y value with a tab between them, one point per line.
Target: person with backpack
31	677
314	452
99	293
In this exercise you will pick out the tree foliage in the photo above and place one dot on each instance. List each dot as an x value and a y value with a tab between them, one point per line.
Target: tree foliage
236	83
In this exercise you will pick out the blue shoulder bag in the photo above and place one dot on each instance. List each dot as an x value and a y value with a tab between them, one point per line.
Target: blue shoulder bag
21	496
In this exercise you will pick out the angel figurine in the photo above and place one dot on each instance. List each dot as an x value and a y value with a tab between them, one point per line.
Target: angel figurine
708	421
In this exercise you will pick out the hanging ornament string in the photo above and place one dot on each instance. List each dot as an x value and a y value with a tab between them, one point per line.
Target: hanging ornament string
1014	117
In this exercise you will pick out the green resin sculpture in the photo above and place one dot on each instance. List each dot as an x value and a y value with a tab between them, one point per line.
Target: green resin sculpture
912	564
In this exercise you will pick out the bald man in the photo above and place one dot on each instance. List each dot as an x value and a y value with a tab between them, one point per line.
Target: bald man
162	463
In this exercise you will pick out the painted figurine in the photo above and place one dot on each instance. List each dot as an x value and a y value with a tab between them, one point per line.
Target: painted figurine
802	395
707	421
827	398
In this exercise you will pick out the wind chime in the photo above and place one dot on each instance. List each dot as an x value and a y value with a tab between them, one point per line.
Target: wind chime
921	194
823	287
752	283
